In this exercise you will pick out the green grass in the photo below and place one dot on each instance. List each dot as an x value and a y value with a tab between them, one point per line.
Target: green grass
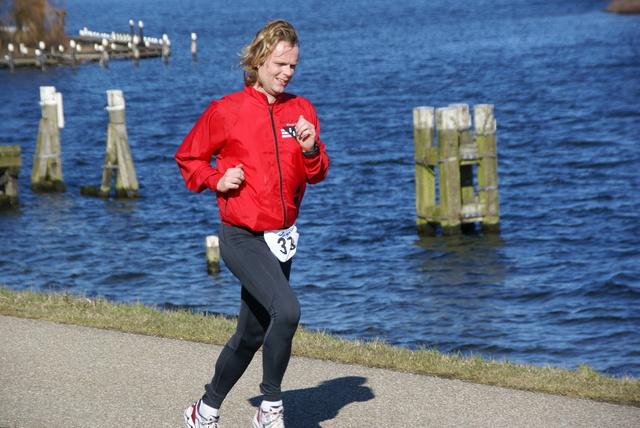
584	382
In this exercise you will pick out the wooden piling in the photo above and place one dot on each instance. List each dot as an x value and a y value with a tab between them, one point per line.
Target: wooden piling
10	163
213	254
448	170
485	135
41	56
104	53
459	203
135	52
118	153
46	175
141	26
12	64
194	47
72	45
132	28
166	48
467	153
425	154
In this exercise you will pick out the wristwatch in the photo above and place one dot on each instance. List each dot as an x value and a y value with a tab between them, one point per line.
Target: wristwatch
313	152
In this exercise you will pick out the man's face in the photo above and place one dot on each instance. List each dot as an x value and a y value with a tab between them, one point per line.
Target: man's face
276	72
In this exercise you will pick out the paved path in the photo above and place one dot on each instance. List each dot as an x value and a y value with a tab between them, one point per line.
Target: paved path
54	375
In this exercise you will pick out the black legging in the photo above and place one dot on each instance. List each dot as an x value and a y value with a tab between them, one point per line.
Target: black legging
269	315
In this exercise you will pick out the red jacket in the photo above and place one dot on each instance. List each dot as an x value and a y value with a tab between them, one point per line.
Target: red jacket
242	128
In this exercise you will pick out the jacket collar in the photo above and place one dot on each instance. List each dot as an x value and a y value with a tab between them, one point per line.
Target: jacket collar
262	97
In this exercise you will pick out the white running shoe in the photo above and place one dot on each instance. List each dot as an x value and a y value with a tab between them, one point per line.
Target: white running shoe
194	419
274	418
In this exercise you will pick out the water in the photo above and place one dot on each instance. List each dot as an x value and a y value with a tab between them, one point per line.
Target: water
559	285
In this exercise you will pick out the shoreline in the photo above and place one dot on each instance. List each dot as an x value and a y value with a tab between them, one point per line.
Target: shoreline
584	382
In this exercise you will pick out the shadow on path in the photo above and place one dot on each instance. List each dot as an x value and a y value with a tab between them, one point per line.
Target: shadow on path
306	408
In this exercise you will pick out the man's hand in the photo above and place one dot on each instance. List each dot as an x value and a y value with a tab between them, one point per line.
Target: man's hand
232	179
305	134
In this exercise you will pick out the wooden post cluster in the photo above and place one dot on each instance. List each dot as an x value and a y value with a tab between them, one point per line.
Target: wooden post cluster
118	153
47	164
10	162
213	254
46	175
450	164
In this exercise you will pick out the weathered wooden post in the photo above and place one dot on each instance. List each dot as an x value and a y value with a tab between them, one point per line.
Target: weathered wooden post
12	65
118	153
104	53
213	254
135	52
72	45
194	47
449	170
166	48
42	53
10	162
141	25
131	29
485	135
47	164
468	154
423	126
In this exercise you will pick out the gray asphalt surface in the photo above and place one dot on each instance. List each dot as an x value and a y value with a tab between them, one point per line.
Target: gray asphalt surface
54	375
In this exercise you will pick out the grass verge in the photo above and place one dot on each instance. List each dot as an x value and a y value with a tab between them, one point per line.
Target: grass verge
584	382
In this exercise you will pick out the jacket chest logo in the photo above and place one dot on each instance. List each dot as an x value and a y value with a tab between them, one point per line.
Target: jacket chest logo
288	131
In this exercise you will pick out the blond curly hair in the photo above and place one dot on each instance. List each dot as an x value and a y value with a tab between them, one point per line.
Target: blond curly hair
256	53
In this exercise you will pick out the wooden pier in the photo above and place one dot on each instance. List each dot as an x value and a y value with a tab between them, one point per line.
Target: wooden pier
88	46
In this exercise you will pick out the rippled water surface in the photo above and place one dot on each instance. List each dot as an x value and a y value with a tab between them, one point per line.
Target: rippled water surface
559	285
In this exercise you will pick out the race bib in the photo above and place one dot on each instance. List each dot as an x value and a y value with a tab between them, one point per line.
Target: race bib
283	243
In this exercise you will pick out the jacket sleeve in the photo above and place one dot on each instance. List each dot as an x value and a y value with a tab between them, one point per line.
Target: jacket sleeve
317	166
196	151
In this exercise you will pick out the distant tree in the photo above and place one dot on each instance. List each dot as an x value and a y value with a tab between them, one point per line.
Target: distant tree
34	20
624	6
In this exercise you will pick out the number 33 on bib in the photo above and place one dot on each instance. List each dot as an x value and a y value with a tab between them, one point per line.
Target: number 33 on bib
283	243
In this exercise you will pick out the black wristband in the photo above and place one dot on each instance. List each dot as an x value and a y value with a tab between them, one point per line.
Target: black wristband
313	152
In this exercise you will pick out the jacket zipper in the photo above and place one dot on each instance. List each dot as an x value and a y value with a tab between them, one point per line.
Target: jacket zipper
275	138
